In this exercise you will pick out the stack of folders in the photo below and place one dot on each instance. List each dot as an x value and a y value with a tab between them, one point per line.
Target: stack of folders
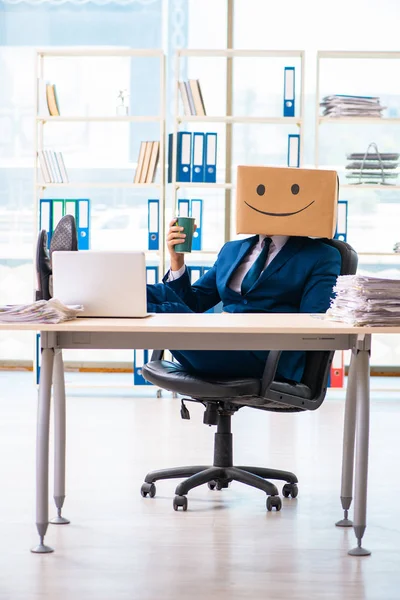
192	98
149	153
196	159
362	300
339	105
52	166
372	167
47	99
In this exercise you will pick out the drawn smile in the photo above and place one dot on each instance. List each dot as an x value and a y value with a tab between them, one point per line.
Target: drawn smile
263	212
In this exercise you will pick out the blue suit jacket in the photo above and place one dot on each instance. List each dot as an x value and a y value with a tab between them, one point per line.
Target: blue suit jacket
299	279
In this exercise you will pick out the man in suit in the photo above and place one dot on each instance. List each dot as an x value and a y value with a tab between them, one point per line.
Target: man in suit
272	273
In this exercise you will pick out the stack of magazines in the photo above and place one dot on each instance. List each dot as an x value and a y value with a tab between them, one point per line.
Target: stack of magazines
43	311
362	300
372	167
339	105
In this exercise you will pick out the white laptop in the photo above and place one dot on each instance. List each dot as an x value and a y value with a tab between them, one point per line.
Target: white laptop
107	284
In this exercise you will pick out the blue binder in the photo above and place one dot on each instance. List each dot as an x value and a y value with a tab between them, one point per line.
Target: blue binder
57	212
183	156
198	157
197	213
83	223
154	224
183	207
289	92
293	152
140	358
341	227
184	152
46	217
170	146
71	208
151	274
195	272
210	175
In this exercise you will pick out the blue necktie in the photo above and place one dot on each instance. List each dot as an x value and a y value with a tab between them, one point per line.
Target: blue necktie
256	268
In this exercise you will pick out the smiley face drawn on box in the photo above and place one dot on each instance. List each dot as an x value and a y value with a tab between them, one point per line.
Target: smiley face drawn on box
286	201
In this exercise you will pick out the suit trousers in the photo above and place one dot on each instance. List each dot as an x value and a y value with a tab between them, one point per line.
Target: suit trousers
214	363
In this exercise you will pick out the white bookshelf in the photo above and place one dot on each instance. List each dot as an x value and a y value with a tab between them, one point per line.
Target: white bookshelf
230	119
41	122
379	260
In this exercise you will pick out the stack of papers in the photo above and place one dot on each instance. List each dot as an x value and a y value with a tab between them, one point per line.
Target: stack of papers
340	105
372	167
43	311
362	300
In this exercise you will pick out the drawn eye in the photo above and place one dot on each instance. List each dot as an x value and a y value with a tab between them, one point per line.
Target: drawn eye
261	189
295	189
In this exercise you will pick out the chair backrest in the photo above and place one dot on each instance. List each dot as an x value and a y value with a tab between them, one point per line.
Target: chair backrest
318	363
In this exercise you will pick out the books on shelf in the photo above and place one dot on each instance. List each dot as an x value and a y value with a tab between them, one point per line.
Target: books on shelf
340	105
146	169
47	99
52	166
52	100
192	97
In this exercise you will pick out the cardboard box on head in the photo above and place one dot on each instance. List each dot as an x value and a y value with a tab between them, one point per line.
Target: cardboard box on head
286	201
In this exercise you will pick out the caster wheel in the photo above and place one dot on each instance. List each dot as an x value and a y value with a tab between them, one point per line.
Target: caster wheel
222	484
159	394
212	485
148	489
290	489
180	501
274	502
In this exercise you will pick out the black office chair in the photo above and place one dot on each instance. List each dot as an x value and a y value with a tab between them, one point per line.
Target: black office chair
223	397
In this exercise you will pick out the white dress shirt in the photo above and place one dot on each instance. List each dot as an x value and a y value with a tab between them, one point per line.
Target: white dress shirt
278	241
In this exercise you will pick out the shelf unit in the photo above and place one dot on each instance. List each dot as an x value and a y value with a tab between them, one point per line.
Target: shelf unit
229	119
377	259
42	120
155	257
319	120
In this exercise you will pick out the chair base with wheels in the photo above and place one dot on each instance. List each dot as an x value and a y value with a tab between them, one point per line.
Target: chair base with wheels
222	472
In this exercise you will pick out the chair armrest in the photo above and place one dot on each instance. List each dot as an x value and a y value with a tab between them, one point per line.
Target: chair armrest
157	355
269	370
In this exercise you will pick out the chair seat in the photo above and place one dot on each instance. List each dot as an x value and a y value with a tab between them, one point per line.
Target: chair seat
173	377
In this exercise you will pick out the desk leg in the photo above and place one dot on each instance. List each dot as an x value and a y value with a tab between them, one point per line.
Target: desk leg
42	449
362	437
59	436
349	431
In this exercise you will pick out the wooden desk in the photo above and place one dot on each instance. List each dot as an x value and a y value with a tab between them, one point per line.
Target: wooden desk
202	332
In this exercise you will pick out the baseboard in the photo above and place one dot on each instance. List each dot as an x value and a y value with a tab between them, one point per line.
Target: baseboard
126	367
82	367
